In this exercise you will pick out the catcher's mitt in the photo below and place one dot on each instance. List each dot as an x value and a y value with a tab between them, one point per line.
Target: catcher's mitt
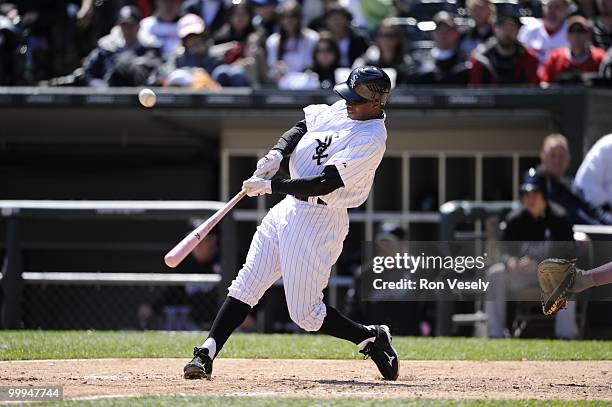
555	276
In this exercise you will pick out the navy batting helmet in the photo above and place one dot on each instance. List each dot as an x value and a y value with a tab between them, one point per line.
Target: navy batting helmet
365	84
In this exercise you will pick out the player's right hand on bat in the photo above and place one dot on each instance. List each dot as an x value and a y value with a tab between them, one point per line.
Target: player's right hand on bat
268	165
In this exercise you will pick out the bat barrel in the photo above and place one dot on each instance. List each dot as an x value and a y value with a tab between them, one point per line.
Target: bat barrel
178	253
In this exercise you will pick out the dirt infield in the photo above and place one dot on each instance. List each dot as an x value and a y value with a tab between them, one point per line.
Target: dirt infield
320	378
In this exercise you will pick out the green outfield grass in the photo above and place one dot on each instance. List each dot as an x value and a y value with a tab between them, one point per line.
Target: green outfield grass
296	402
21	345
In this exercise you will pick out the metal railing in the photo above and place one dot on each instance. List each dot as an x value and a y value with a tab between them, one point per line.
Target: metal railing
110	279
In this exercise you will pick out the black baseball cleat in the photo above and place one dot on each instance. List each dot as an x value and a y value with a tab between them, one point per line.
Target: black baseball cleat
200	366
382	353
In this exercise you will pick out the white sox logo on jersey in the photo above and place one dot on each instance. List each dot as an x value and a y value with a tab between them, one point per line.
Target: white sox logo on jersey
321	148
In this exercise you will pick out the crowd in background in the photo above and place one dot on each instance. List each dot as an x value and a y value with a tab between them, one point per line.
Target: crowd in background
303	45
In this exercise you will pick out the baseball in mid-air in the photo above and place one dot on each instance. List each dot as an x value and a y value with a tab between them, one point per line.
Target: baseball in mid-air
147	97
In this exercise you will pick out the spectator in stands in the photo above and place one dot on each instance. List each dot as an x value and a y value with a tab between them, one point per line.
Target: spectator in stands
544	35
232	41
291	49
161	27
249	54
213	12
555	160
602	25
388	52
445	63
194	45
503	60
265	17
326	59
239	25
594	177
194	66
571	63
538	220
120	58
483	13
352	44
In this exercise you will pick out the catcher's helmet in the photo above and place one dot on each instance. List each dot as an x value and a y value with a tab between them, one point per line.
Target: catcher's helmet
365	84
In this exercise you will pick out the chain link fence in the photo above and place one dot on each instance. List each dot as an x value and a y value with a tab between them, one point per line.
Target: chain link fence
111	304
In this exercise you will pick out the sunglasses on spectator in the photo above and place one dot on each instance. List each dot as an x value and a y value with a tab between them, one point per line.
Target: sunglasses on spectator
291	15
325	49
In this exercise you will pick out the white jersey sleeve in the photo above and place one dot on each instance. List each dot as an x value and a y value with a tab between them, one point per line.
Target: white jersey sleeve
318	116
594	177
356	164
314	115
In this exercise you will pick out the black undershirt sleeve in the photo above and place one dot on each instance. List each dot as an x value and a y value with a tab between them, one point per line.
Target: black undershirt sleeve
328	181
287	142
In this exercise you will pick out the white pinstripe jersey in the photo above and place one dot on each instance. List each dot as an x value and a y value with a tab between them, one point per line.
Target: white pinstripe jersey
355	147
301	241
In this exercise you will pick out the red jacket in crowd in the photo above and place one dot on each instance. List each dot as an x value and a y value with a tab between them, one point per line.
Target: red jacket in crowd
559	62
488	67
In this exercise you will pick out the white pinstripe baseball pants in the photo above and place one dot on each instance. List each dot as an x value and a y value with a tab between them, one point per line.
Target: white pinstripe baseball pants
299	241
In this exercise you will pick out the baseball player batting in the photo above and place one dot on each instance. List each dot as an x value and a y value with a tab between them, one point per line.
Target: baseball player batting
334	153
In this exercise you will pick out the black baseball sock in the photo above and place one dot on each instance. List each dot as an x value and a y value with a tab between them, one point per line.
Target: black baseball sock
230	316
336	324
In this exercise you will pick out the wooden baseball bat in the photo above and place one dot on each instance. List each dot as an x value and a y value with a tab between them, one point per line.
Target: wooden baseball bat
178	253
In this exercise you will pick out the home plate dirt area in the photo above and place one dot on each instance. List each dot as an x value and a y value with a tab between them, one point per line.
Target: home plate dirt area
84	378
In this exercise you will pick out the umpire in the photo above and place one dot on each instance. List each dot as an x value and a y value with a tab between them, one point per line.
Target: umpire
538	230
